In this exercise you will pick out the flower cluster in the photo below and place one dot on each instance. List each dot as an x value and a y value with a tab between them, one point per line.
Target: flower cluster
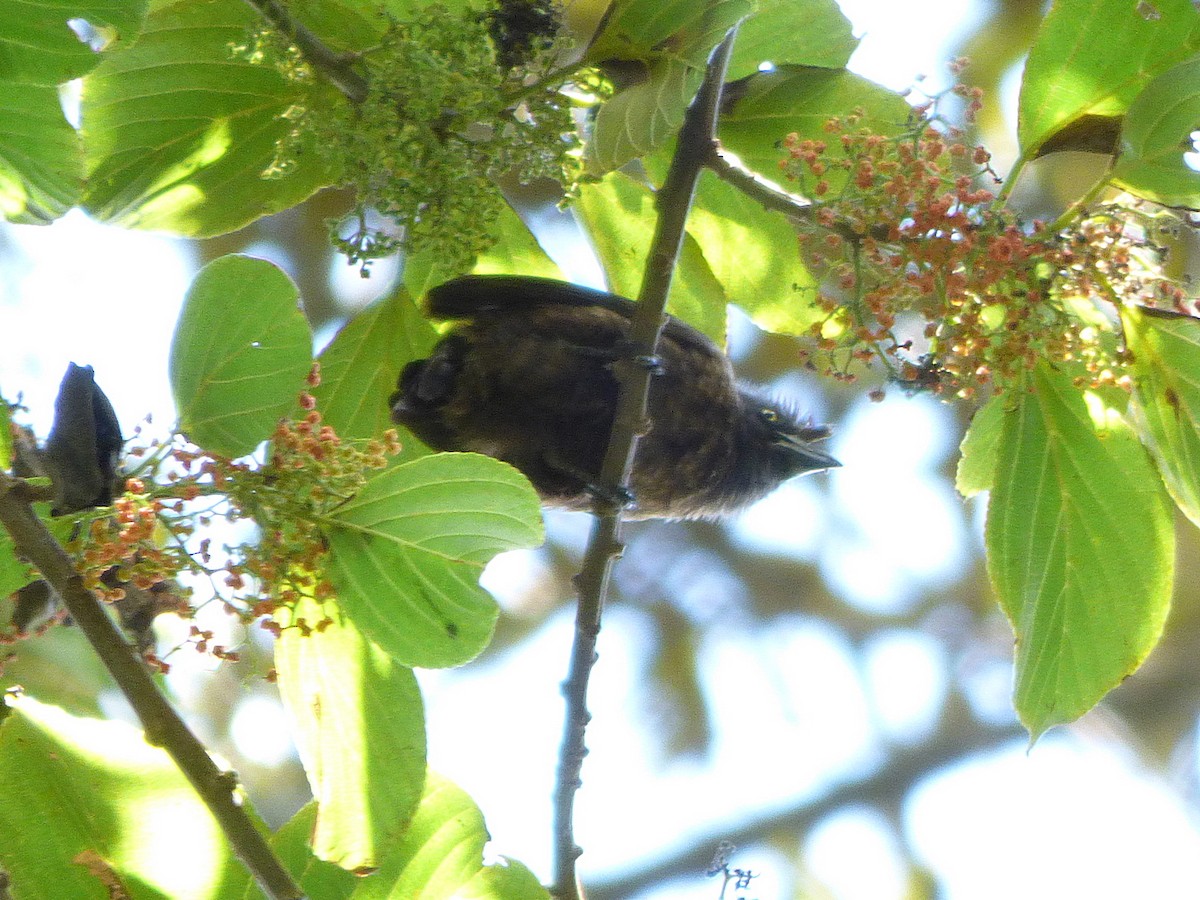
456	100
925	270
154	531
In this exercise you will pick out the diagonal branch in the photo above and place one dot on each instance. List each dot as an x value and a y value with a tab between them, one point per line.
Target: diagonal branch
959	738
162	725
697	138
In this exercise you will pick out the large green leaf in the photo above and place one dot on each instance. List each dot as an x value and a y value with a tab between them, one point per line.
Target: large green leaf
359	726
669	45
516	251
41	167
90	809
1080	548
769	106
1166	395
793	32
6	438
1156	134
618	215
179	129
360	366
37	46
685	30
755	257
441	856
407	551
318	879
643	117
239	355
1093	57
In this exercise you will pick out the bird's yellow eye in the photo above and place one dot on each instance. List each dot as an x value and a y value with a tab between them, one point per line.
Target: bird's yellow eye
769	415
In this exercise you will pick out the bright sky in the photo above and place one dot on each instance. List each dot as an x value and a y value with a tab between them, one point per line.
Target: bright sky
797	706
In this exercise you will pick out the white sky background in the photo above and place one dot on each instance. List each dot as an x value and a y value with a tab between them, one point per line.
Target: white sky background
797	707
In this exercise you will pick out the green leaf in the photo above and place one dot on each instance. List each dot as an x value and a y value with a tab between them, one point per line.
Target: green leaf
643	117
41	165
1080	548
672	41
178	129
516	251
239	356
1157	132
801	99
6	438
89	808
755	257
359	726
360	366
1093	57
14	573
1166	397
799	32
685	30
37	46
406	553
979	449
318	879
619	216
441	856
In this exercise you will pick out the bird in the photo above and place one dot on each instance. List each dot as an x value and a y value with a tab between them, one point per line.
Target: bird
525	375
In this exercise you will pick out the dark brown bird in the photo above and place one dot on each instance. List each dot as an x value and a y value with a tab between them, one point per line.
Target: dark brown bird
526	377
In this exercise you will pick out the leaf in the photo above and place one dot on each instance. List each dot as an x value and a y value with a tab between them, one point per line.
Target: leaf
14	573
765	108
683	29
359	727
38	47
1157	133
755	257
318	879
643	117
1093	57
516	251
239	356
441	856
670	45
1166	397
360	366
178	129
41	165
979	449
406	553
91	808
786	32
619	216
6	438
1080	549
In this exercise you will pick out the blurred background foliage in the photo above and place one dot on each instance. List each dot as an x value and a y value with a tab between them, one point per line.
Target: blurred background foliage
823	682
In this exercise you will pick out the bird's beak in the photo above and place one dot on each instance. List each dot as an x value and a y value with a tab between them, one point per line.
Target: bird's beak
810	458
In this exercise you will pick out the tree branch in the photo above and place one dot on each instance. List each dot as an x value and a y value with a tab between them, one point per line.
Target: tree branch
958	738
336	67
697	137
162	725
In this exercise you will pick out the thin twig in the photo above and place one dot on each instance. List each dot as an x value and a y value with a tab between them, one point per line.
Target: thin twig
958	739
162	725
771	196
338	68
697	137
